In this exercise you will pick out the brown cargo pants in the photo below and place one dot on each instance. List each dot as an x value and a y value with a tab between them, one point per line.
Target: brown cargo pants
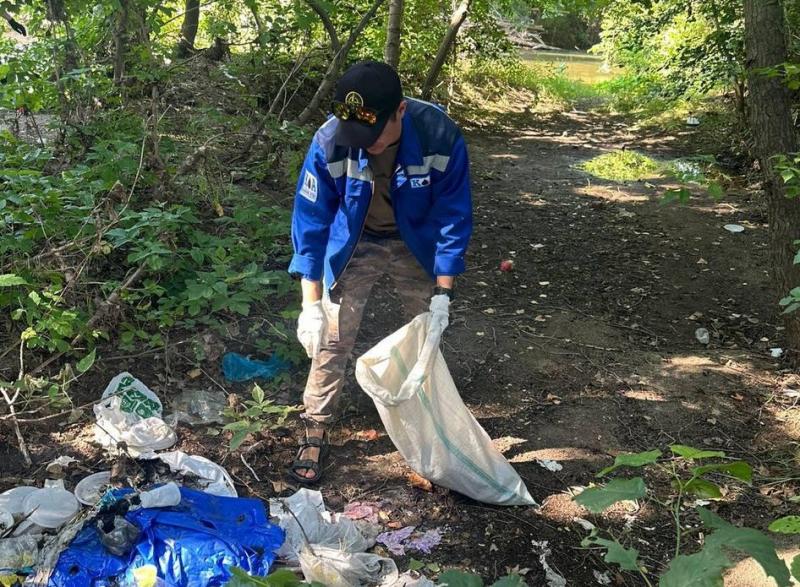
372	259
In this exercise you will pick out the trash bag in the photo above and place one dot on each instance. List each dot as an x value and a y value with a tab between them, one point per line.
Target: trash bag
422	411
194	543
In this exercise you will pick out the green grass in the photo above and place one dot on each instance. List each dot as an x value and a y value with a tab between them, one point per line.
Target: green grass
549	83
623	166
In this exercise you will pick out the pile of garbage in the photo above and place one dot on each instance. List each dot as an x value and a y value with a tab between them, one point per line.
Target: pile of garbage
172	519
166	518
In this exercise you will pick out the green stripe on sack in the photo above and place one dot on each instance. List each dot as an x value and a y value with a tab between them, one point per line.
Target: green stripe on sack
505	491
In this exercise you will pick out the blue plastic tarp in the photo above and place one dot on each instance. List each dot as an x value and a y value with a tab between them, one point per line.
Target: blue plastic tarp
192	544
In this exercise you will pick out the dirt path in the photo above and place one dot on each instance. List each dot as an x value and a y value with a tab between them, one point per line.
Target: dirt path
587	349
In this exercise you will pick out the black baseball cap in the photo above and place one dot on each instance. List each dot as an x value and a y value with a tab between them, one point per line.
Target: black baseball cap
373	85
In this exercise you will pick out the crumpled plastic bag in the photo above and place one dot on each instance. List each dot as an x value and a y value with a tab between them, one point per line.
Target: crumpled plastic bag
212	478
131	413
320	526
334	568
237	367
330	547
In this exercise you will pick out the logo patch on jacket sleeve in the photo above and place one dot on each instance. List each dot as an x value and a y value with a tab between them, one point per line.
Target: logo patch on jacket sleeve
309	188
420	182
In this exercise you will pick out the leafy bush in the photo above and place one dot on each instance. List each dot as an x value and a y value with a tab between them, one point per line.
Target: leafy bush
691	474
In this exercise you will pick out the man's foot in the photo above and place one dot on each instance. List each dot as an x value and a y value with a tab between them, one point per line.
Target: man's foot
307	465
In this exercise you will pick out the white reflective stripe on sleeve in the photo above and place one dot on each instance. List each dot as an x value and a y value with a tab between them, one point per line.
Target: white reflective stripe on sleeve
336	169
356	173
437	162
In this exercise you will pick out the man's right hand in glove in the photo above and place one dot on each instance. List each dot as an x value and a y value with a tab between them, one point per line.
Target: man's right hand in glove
312	324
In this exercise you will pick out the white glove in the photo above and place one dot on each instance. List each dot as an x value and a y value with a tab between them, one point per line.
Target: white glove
440	312
311	327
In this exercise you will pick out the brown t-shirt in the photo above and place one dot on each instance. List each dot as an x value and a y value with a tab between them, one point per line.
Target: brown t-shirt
380	216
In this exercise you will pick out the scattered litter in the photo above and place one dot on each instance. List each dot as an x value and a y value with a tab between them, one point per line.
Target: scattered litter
550	465
330	547
362	510
585	524
306	508
395	539
50	508
427	542
167	495
12	501
702	261
120	537
538	246
734	228
506	265
197	406
692	121
553	578
776	352
194	543
130	413
58	466
334	568
702	335
6	520
602	578
90	489
791	393
17	554
211	478
406	376
237	367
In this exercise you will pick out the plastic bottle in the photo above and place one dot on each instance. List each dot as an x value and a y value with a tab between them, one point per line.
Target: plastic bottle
161	497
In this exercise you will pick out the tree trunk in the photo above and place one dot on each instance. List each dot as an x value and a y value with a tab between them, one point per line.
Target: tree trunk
458	18
338	59
770	118
191	20
391	52
120	41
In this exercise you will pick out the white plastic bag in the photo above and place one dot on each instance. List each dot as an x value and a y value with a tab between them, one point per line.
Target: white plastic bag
211	477
131	413
334	568
422	411
321	528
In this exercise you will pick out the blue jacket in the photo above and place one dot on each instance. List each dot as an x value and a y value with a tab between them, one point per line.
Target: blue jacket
430	194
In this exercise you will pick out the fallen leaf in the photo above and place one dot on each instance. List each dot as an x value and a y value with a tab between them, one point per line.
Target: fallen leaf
281	486
738	396
420	482
194	373
395	524
368	435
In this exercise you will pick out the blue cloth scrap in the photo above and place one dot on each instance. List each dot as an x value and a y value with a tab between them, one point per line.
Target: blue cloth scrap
237	367
194	543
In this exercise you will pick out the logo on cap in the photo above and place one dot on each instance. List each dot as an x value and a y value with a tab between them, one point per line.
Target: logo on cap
354	99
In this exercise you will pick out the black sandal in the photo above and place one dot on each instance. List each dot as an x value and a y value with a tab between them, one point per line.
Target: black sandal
310	464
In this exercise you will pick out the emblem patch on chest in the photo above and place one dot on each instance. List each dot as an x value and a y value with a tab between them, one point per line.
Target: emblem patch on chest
420	182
